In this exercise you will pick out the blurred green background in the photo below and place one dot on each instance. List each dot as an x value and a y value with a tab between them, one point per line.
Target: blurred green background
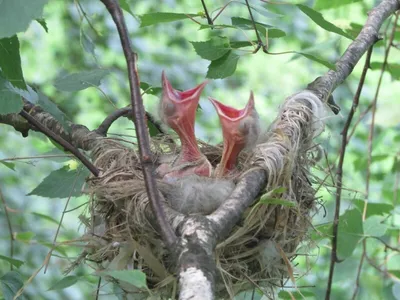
66	49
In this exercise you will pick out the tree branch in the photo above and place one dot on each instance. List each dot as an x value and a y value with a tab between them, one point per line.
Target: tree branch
167	233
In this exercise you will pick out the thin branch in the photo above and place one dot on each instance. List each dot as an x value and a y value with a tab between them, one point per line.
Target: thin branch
360	265
339	173
3	201
60	141
259	41
167	233
209	20
111	118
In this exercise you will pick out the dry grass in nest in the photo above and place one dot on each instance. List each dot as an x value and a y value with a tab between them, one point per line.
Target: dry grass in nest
259	249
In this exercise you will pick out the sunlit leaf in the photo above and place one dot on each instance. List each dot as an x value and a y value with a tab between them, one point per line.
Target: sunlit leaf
62	183
320	21
224	66
373	208
134	277
80	81
163	17
10	61
15	262
16	15
10	284
64	283
374	227
212	49
350	232
25	237
324	4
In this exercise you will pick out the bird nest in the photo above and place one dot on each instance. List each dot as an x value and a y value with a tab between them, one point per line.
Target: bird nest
258	251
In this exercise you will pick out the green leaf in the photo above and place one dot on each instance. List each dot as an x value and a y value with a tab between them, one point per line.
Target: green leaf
10	284
80	81
10	102
163	17
8	165
373	226
148	89
322	231
15	262
134	277
43	23
10	61
65	282
247	24
25	237
373	208
45	217
224	66
392	68
395	273
350	232
240	44
296	295
212	49
153	131
323	4
317	59
125	6
266	200
15	15
87	43
320	21
62	183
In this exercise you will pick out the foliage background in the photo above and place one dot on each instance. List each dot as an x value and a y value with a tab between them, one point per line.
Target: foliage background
166	46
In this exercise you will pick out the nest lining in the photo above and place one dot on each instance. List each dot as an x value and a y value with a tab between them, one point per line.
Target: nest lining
257	252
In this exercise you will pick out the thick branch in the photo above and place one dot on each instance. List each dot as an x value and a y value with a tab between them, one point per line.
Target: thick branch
323	86
167	233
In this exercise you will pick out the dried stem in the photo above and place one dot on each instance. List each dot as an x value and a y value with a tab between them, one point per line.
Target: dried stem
167	233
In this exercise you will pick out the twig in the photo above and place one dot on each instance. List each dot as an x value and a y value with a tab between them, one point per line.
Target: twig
60	141
339	173
259	41
3	201
209	20
363	255
111	118
167	233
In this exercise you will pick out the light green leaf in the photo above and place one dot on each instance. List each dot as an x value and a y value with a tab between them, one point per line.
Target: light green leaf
134	277
317	59
296	295
163	17
8	165
62	183
64	283
320	21
10	61
212	49
125	6
374	227
10	283
80	81
224	66
15	15
25	237
87	43
324	4
148	89
10	102
15	262
350	232
373	208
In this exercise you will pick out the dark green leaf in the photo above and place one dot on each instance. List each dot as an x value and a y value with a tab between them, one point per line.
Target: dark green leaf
224	66
25	237
10	102
324	4
80	81
373	208
318	60
134	277
240	44
125	6
10	282
8	165
296	295
15	262
320	21
395	273
10	61
42	22
153	131
62	183
350	232
212	49
163	17
15	15
247	24
148	89
53	109
373	226
87	43
65	282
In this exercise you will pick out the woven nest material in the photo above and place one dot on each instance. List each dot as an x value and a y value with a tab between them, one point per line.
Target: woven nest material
257	252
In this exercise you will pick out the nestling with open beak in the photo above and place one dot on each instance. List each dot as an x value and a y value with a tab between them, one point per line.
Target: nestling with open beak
240	129
178	111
